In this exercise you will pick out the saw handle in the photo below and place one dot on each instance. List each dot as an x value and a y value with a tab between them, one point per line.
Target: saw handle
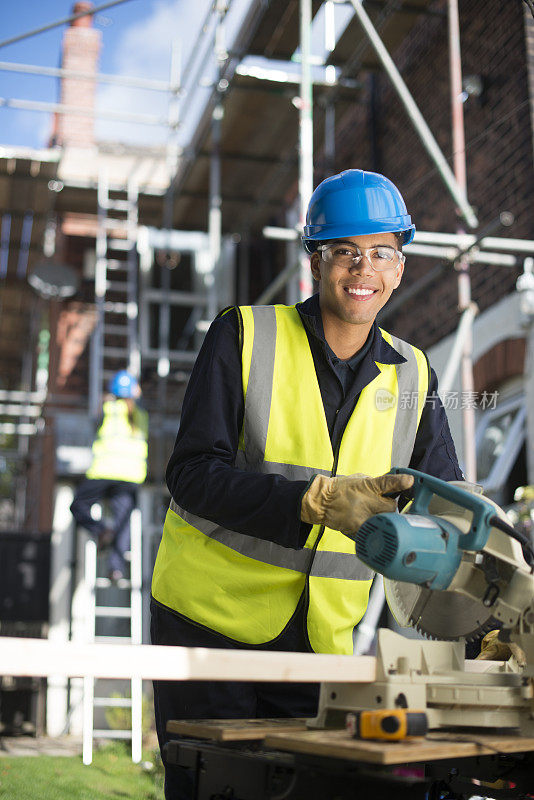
426	486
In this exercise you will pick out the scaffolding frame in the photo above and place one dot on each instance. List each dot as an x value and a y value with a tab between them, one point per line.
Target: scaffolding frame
454	180
227	61
20	416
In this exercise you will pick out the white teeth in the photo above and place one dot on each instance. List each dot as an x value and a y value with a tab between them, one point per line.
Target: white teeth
363	292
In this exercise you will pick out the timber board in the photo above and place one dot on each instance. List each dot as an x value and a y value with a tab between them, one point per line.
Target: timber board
438	745
234	730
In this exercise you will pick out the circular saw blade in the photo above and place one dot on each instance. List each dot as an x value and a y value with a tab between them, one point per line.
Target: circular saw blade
437	614
440	614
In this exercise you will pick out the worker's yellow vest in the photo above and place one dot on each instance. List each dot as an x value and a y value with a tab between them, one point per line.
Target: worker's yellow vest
120	449
247	588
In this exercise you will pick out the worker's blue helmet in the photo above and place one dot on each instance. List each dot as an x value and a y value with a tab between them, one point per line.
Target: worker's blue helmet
123	384
355	203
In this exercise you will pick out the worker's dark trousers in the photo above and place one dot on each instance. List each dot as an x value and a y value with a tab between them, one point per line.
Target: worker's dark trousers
220	699
121	497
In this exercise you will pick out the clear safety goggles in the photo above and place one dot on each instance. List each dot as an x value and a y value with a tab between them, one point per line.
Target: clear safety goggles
345	254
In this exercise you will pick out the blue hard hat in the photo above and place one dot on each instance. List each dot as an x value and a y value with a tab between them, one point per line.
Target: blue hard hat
355	203
123	384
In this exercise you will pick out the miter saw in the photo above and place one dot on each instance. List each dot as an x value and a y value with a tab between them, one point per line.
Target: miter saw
453	568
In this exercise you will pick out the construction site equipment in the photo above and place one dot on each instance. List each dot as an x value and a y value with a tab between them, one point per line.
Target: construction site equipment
114	344
455	568
325	764
102	588
390	724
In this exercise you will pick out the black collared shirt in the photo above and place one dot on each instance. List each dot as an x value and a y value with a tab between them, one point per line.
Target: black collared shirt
201	475
339	397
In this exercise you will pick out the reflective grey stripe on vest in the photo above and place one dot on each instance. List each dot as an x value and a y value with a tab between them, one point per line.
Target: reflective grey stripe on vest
325	564
260	384
292	472
406	419
258	403
340	565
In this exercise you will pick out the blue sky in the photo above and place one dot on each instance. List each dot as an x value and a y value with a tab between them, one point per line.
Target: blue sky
136	37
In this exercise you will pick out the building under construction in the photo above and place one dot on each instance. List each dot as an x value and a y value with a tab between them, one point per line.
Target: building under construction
115	256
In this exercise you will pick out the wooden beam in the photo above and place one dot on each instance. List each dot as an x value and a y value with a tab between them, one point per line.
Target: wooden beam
43	657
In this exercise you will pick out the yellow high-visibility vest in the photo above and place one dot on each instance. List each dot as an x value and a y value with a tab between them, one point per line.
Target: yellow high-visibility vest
120	449
247	588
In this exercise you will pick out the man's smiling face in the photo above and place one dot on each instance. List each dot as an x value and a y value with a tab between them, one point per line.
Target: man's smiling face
355	295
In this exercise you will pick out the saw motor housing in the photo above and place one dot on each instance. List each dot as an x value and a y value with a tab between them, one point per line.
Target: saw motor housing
418	547
412	548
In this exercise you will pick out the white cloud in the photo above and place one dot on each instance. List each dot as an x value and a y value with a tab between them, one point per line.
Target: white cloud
143	49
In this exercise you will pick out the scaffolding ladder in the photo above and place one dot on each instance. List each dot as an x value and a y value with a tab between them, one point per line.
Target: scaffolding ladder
134	613
114	344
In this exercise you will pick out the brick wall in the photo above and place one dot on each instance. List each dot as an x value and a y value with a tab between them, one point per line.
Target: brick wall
529	40
504	361
498	134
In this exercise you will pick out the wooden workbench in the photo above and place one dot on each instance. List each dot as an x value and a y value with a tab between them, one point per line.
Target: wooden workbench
251	756
291	735
435	746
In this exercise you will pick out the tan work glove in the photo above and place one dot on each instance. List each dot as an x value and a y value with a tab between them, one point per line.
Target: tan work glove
344	504
491	649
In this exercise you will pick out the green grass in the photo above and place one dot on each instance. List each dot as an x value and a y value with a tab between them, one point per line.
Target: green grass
111	776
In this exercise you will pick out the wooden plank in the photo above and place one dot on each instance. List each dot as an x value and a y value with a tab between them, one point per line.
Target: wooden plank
234	730
42	657
338	744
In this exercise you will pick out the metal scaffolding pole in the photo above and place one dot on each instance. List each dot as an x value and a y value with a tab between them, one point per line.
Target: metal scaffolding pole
99	77
215	201
330	106
79	111
329	139
89	12
424	132
240	44
164	317
464	278
305	138
464	329
215	211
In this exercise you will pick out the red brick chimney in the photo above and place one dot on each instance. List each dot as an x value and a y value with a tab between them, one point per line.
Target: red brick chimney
81	50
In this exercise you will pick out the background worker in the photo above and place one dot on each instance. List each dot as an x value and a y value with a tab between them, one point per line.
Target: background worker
118	466
283	404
